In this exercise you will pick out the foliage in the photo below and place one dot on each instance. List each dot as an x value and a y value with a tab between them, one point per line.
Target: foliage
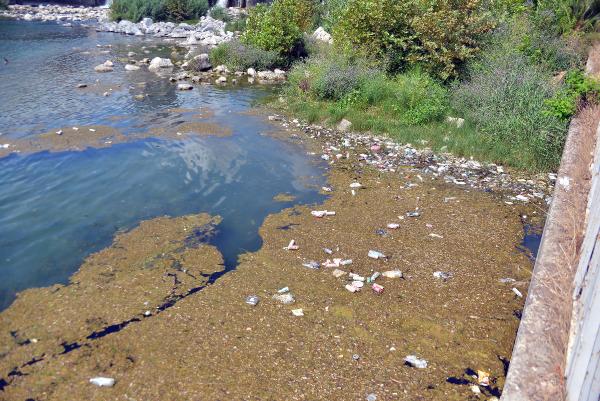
566	15
239	57
219	13
436	35
505	99
158	10
330	13
351	84
279	27
578	89
237	24
3	4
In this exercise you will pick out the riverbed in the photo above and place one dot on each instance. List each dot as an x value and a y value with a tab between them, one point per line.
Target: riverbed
162	256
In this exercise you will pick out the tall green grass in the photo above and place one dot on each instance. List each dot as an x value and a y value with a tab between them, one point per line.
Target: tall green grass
158	10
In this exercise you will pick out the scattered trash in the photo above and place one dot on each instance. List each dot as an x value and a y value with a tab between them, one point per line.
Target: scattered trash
483	378
355	357
5	146
327	251
353	192
285	299
355	185
377	288
450	198
522	198
413	214
312	265
92	130
393	226
443	275
252	300
103	381
338	273
346	262
374	276
507	280
356	277
372	397
81	86
517	292
565	182
322	213
351	288
392	274
147	313
292	246
415	362
475	389
283	290
326	189
436	235
358	284
297	312
376	255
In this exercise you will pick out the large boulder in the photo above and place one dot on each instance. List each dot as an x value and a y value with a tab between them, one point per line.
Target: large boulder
322	35
202	62
158	63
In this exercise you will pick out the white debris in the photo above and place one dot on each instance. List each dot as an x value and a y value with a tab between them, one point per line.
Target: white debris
393	226
443	275
292	246
285	299
355	185
102	381
338	273
297	312
322	213
283	290
436	235
415	362
392	274
517	292
565	182
376	255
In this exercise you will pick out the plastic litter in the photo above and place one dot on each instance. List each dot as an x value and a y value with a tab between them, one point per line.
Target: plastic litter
285	299
355	185
147	313
322	213
358	284
355	357
356	277
377	288
338	273
252	300
376	255
392	274
374	276
59	132
102	381
443	275
413	214
312	265
328	251
507	280
381	232
346	262
372	397
517	292
297	312
283	290
326	189
352	288
415	362
393	226
292	246
436	235
483	378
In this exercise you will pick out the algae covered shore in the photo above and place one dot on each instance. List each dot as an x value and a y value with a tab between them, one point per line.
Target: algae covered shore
150	312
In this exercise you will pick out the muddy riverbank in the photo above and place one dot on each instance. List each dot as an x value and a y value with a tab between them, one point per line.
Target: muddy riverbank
141	311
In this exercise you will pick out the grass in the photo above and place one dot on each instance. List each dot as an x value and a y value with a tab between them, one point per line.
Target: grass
437	135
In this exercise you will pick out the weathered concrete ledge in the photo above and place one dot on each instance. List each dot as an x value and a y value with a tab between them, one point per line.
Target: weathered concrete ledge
537	368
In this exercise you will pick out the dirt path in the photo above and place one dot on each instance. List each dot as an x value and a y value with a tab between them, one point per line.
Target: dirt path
212	345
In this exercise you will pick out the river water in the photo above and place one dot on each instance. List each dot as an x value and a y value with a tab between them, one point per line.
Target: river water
57	208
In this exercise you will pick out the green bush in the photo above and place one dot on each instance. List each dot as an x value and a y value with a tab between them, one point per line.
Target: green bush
330	13
279	27
505	99
352	84
239	57
578	89
438	35
565	15
219	13
158	10
237	24
3	4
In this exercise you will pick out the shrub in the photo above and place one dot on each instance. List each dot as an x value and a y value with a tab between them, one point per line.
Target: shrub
438	36
330	13
219	13
279	27
578	90
239	57
237	24
506	101
3	4
158	10
566	15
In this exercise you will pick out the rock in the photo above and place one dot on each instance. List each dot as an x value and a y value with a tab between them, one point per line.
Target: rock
103	68
322	35
80	86
108	63
158	63
221	80
251	72
344	125
130	67
221	69
458	122
184	87
202	62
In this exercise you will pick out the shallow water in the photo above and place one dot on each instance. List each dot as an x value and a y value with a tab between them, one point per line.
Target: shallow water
57	208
